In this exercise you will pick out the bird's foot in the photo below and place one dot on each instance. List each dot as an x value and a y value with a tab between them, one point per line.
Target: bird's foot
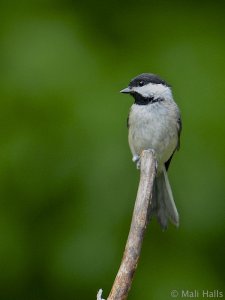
136	159
155	159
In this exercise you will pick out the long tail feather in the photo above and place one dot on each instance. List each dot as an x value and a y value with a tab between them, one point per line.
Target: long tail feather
163	204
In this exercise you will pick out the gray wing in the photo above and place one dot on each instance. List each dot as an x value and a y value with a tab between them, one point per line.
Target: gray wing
128	121
179	128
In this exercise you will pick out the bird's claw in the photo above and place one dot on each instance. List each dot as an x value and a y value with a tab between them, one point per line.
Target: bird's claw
138	164
136	159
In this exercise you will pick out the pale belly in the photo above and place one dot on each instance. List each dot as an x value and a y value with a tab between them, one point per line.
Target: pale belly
155	128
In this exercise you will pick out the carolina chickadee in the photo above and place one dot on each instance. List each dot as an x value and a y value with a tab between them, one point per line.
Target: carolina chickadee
154	122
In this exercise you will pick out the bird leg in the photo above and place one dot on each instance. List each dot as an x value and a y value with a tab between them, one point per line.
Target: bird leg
136	159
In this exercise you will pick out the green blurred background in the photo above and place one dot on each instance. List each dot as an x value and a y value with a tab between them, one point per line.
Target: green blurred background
67	183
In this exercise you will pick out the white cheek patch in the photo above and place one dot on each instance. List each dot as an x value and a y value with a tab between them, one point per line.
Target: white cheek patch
153	90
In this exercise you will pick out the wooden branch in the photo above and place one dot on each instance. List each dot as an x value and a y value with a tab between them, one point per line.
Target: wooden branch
123	280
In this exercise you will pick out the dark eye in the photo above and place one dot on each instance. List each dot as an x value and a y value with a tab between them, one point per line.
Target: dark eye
141	83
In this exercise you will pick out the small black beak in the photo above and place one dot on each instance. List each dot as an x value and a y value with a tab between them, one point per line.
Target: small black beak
126	90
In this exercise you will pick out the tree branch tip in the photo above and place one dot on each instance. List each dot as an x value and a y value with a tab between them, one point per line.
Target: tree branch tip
99	295
148	151
148	156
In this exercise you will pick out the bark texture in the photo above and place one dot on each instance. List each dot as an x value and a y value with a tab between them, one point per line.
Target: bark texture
124	277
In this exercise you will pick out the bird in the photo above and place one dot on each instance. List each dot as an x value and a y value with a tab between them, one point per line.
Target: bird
154	122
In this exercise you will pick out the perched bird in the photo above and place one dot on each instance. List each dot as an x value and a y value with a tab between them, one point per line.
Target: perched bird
154	122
